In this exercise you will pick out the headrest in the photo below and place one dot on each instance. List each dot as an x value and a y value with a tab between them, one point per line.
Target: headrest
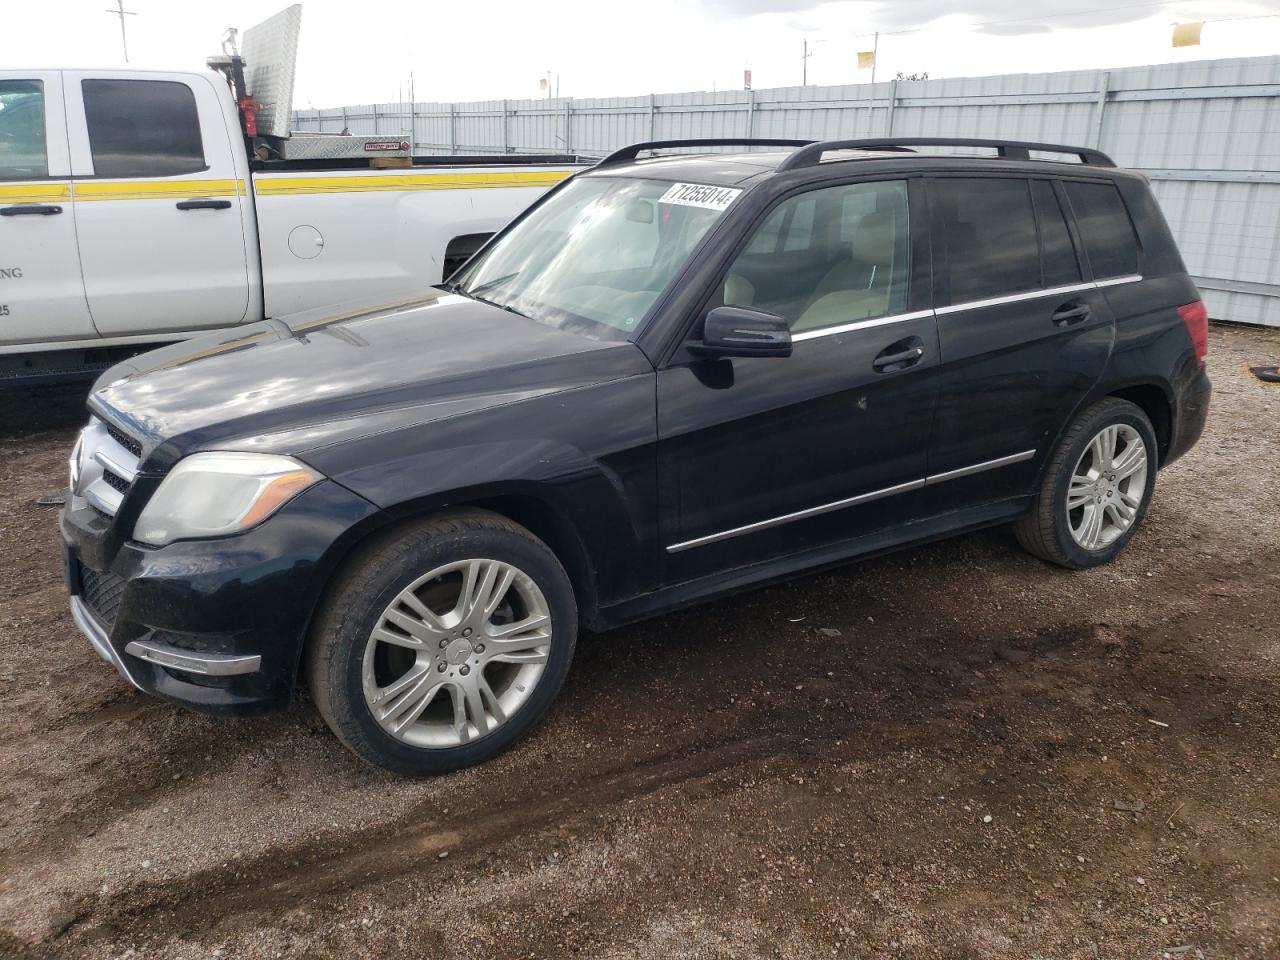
874	238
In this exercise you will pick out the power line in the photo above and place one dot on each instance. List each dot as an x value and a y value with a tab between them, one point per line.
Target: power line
121	12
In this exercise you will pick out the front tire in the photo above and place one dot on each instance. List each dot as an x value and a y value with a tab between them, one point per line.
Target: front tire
1096	489
441	646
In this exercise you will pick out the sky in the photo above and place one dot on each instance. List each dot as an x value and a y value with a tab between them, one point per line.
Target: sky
352	53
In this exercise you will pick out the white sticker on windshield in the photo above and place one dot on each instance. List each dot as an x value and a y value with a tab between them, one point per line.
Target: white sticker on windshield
699	195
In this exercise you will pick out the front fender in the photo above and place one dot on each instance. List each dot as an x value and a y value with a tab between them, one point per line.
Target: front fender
586	455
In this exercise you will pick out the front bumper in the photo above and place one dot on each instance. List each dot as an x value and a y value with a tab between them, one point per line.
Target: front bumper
217	625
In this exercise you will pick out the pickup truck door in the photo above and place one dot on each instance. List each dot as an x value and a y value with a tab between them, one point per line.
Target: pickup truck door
159	202
41	290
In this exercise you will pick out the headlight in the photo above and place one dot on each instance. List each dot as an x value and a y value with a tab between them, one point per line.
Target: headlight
213	494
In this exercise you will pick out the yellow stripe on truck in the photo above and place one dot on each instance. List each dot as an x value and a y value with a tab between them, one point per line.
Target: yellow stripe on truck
157	189
91	190
381	183
34	192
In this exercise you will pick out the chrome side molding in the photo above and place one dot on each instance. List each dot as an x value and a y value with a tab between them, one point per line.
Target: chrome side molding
979	467
927	481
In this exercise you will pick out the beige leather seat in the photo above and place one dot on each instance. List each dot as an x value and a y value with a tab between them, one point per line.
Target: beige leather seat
858	287
738	291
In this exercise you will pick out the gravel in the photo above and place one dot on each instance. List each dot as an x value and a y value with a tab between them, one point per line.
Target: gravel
725	782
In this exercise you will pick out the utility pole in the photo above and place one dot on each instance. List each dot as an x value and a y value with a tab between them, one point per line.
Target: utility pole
121	12
804	75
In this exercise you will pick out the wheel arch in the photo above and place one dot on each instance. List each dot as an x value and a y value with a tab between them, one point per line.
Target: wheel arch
1157	403
524	504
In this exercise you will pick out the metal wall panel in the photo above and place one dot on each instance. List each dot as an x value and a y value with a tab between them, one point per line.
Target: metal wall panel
1207	133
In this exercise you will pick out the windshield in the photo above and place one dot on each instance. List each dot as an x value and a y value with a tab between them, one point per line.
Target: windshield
595	256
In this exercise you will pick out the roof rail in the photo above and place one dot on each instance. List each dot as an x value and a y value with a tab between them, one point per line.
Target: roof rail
811	155
627	154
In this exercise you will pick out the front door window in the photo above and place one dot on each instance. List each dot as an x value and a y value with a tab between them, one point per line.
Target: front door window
828	257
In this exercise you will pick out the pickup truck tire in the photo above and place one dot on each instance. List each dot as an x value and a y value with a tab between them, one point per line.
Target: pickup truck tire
1096	488
441	644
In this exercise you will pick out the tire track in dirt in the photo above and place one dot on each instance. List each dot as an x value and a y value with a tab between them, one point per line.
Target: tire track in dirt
280	878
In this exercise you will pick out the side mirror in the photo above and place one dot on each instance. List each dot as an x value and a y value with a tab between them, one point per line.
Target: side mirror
740	332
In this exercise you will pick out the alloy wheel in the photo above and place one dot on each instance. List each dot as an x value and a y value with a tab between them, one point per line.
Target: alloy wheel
456	653
1107	486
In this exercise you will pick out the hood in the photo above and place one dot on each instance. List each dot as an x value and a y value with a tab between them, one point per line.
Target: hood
293	385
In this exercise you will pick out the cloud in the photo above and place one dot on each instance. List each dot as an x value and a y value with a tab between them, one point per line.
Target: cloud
1001	17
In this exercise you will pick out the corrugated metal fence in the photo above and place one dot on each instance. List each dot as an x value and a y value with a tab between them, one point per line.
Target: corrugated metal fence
1206	133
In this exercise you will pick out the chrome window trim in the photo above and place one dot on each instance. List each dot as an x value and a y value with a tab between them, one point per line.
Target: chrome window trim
1014	298
1116	281
967	305
1036	294
851	501
860	324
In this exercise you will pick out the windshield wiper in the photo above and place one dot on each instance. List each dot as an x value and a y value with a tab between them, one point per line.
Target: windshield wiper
491	284
501	306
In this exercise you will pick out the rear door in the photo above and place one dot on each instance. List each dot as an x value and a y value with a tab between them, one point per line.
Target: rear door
1023	334
158	203
41	290
762	458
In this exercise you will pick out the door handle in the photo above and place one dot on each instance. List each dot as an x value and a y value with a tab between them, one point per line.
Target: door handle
30	210
1070	313
905	353
204	204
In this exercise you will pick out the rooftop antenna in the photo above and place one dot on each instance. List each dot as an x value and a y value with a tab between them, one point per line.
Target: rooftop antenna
121	12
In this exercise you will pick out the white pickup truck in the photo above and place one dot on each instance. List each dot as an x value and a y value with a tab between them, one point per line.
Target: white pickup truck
132	212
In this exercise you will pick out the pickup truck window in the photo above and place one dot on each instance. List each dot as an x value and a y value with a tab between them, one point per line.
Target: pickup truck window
23	155
142	128
844	258
595	256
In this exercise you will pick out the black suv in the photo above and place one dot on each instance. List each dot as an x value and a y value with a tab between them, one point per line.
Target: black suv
672	378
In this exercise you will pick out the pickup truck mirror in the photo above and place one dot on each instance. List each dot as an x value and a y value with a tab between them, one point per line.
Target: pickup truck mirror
740	332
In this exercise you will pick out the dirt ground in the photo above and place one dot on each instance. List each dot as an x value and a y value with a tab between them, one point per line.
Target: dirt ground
953	752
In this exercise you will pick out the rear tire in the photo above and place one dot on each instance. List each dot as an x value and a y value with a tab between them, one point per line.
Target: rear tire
442	645
1096	488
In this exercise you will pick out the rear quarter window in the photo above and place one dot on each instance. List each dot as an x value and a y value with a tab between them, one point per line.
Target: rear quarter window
1109	238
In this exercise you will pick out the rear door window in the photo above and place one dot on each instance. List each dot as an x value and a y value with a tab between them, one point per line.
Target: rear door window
1105	227
1057	253
142	128
23	152
989	233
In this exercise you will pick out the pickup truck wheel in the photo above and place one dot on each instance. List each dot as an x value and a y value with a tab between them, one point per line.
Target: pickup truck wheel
1096	488
442	647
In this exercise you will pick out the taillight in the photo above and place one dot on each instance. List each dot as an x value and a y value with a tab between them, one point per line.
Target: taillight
1196	317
